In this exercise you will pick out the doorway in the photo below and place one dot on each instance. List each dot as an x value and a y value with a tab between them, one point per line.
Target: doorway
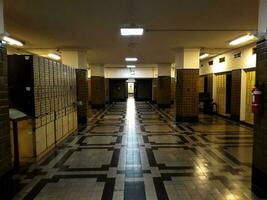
130	89
117	90
143	89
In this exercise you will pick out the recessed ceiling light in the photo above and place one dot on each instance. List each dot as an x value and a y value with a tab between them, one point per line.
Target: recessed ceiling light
131	66
54	56
12	41
242	39
132	31
131	59
205	55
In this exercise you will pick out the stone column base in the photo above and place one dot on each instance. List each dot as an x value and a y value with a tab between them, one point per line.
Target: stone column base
164	91
259	182
82	95
187	97
98	94
259	168
6	186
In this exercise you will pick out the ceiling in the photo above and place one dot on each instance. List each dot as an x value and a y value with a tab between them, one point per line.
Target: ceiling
93	25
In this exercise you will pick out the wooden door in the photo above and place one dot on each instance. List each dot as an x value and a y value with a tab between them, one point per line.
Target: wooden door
221	94
250	83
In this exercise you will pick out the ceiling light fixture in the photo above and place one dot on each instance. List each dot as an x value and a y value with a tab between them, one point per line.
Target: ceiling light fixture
131	59
12	41
54	56
242	39
203	56
131	66
132	31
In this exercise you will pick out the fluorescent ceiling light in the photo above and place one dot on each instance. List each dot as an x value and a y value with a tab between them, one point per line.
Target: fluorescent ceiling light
131	59
242	39
12	41
54	56
132	31
131	66
205	55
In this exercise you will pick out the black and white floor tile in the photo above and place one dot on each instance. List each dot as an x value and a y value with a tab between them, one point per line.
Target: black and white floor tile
133	150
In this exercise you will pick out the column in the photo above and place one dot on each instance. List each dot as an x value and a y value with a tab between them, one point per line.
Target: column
5	152
78	60
98	90
259	164
164	85
187	75
75	59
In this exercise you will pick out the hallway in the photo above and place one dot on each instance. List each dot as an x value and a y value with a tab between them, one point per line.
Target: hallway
135	151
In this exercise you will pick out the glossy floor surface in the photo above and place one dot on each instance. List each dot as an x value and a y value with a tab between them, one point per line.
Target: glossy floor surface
133	150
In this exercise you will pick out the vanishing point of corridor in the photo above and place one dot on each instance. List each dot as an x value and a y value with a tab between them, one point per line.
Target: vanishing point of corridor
133	150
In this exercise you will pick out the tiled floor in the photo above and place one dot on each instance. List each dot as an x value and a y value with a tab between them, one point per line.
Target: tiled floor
135	151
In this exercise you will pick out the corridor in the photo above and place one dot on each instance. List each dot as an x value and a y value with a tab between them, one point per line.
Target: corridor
133	150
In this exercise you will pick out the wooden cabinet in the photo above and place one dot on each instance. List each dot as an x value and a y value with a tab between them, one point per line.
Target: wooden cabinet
46	91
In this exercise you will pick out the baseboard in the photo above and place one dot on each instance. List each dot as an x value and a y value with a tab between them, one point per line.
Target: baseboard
235	120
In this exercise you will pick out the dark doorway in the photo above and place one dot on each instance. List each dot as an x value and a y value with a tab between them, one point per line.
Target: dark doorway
228	93
143	89
117	90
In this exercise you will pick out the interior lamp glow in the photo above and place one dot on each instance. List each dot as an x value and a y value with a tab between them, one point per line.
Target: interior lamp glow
132	31
131	66
203	56
54	56
242	39
12	41
131	59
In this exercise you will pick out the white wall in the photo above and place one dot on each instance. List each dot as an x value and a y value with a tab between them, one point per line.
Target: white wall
187	59
164	69
247	60
126	73
97	70
2	28
173	71
75	59
262	16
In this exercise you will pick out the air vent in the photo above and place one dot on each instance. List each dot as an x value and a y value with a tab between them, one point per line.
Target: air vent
222	59
237	55
210	63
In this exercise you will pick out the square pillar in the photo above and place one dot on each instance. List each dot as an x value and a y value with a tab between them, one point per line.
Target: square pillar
259	164
78	60
164	85
82	96
5	151
98	89
187	75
